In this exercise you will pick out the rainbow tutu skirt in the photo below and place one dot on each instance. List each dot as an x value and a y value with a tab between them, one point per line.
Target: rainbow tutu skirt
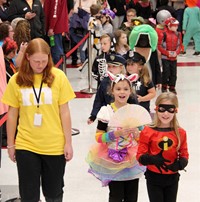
104	168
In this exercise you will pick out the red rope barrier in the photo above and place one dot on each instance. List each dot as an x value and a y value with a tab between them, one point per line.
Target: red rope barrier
73	49
3	119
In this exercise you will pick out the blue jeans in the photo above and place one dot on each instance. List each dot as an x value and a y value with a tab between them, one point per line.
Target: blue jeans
179	17
57	50
75	39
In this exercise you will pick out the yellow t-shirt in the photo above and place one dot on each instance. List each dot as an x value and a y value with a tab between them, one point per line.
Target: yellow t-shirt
48	138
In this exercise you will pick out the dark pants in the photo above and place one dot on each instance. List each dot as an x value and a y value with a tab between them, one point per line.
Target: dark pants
57	51
126	191
75	38
162	193
35	168
179	17
169	74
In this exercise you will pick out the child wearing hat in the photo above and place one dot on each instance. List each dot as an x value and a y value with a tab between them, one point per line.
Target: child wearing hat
170	44
144	86
115	65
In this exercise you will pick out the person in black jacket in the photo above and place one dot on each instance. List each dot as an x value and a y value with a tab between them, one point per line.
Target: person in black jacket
119	8
3	10
32	11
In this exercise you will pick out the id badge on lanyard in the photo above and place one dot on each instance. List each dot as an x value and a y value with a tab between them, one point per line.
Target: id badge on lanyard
37	116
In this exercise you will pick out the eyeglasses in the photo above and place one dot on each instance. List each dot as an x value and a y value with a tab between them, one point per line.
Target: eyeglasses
165	107
130	15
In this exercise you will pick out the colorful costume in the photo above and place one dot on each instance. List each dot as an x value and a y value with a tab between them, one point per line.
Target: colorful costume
113	159
158	150
191	24
170	45
155	141
143	39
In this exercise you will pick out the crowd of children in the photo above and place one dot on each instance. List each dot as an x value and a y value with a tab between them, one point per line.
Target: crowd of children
164	154
127	76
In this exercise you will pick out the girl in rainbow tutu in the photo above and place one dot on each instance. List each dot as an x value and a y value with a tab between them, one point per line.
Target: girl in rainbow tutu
113	159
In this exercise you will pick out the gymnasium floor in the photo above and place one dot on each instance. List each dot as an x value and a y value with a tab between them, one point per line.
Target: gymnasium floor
81	186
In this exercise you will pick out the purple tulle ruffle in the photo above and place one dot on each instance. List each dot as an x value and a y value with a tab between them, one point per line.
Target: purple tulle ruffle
117	155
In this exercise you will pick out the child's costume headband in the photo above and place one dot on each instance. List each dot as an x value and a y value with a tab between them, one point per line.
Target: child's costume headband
121	77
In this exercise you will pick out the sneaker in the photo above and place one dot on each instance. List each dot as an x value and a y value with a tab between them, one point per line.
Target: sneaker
74	63
196	53
182	54
80	68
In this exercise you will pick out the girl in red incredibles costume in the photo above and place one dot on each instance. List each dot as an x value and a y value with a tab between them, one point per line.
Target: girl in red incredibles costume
163	149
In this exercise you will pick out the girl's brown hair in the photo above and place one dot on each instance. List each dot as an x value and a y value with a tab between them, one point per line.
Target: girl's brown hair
25	75
117	36
144	75
4	30
174	123
22	32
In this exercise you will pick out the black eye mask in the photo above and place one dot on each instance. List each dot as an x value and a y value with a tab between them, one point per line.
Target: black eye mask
164	107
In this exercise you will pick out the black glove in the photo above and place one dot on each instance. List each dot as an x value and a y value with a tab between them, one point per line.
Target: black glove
158	160
92	118
179	164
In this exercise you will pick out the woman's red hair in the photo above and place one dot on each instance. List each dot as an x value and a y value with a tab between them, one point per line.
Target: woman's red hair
25	75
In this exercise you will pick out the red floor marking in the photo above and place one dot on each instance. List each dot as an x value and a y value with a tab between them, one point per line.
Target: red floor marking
72	66
188	64
83	95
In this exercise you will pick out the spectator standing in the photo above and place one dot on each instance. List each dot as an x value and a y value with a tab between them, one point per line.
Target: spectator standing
3	10
56	23
179	6
119	8
32	11
85	5
128	25
143	9
79	26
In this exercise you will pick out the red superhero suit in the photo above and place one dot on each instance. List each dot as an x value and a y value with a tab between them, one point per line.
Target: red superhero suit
169	41
162	144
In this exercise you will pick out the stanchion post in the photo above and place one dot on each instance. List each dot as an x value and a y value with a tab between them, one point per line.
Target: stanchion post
64	64
89	90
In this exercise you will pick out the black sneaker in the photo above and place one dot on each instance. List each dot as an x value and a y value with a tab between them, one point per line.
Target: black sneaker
75	64
196	53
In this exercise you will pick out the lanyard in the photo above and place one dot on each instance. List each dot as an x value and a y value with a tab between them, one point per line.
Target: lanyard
38	97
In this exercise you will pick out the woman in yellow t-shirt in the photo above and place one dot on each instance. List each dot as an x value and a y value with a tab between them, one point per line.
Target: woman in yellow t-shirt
38	94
